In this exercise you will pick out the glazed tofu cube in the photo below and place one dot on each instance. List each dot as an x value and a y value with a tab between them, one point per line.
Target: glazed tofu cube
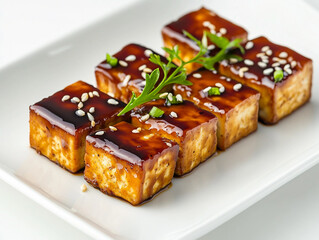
129	163
192	128
196	23
261	59
60	123
236	107
128	75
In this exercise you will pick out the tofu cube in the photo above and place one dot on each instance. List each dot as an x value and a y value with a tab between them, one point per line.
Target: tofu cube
128	75
60	123
192	128
261	59
196	23
236	107
129	163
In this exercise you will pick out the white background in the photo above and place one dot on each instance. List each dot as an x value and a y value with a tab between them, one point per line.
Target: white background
292	212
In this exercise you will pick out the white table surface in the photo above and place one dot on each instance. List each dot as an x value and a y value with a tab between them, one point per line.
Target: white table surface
290	213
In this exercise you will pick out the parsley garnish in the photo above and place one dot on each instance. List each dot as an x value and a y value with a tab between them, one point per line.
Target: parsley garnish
177	74
278	75
213	91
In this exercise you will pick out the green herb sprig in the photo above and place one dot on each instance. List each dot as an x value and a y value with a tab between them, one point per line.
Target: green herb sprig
278	75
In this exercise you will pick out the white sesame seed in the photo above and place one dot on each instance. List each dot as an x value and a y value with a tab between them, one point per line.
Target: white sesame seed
219	85
80	113
99	133
206	23
90	116
112	101
237	86
265	48
111	94
293	64
282	61
223	31
84	97
130	58
262	64
249	45
276	59
222	77
228	79
91	94
96	93
211	47
287	66
218	34
75	100
123	63
141	68
260	54
242	71
135	131
168	144
233	60
83	187
269	52
93	123
144	75
173	114
145	117
275	64
112	128
197	75
204	40
268	71
265	60
126	80
147	70
92	109
288	70
278	68
163	95
80	105
65	98
148	52
283	55
205	90
222	89
248	62
212	30
214	71
179	98
170	97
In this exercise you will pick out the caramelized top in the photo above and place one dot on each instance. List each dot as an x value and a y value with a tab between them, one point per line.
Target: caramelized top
267	57
137	57
217	104
63	113
203	20
132	147
188	117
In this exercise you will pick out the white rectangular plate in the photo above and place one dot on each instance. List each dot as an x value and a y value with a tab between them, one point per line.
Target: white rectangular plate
218	189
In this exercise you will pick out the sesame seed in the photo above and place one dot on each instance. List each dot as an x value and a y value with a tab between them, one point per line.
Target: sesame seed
223	31
214	71
83	187
145	117
265	48
233	60
80	105
282	61
130	58
84	97
112	101
248	62
222	89
283	55
148	52
276	59
147	70
163	95
204	40
179	98
126	79
293	64
269	52
260	54
141	68
144	75
242	71
111	94
206	23
75	100
99	133
228	79
170	97
287	66
168	144
288	70
136	130
91	94
197	75
219	85
268	71
123	63
96	93
112	128
92	109
93	123
80	113
278	68
206	89
65	98
262	64
237	86
265	60
173	114
212	30
90	116
211	47
218	34
275	64
249	45
222	77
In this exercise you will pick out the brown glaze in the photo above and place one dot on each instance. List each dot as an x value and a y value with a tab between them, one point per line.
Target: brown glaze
62	114
255	75
216	104
189	116
135	148
193	23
